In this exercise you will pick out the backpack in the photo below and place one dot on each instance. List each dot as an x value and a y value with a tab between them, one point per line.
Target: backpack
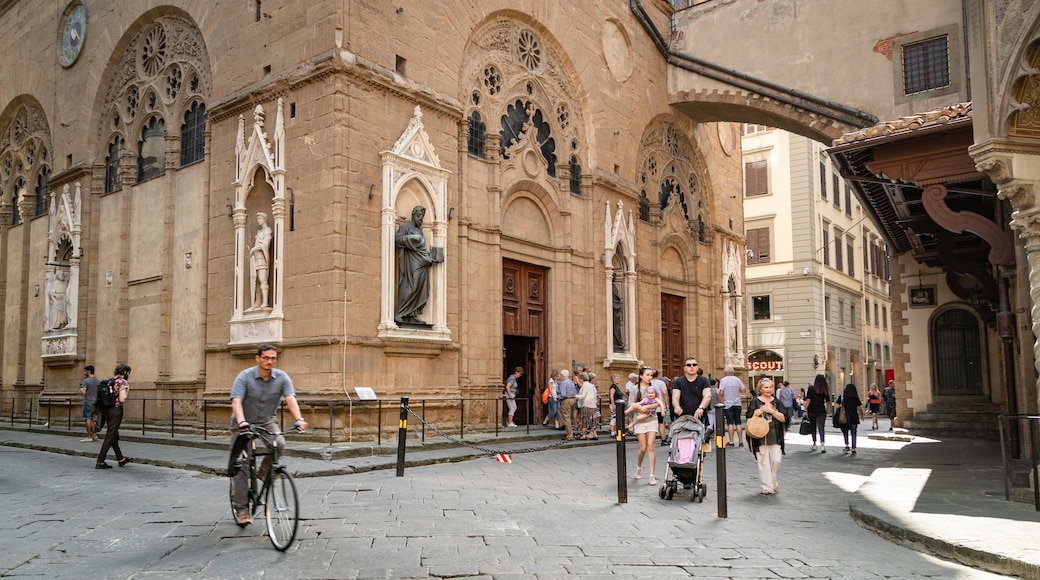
106	394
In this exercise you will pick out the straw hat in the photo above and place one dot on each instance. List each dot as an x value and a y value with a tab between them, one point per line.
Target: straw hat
757	427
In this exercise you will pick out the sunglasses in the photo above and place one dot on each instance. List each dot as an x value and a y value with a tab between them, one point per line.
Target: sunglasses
691	364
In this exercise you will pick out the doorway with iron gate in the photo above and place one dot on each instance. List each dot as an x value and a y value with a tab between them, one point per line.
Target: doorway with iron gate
524	300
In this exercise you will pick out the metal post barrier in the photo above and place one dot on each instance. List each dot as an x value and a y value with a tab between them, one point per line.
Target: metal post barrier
30	411
720	458
422	428
331	408
462	416
379	422
48	423
172	404
205	420
619	423
402	436
70	415
1032	458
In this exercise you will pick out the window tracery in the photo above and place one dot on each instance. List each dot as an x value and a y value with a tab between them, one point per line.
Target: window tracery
161	80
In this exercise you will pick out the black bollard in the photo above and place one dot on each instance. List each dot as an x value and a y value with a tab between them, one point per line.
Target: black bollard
720	459
619	430
402	436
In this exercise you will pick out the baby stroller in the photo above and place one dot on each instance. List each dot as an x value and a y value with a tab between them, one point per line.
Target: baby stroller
690	439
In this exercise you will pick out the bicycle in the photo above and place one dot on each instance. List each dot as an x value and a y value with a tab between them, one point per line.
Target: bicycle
277	495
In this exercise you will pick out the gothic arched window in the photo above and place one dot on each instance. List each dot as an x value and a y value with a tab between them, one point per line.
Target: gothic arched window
193	146
644	207
41	190
16	217
115	153
477	132
151	150
513	125
575	176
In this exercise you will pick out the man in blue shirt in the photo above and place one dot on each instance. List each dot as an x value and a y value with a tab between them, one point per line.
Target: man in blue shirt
567	393
255	398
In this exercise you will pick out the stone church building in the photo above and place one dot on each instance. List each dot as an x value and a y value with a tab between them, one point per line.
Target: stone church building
184	180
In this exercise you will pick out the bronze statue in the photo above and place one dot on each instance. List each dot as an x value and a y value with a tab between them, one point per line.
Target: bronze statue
413	269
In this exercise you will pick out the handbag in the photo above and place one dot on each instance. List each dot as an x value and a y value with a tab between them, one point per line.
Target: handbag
843	419
757	427
806	427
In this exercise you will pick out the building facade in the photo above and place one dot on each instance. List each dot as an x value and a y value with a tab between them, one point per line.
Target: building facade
817	275
182	181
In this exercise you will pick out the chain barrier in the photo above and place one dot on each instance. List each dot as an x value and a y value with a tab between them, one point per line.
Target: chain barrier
479	448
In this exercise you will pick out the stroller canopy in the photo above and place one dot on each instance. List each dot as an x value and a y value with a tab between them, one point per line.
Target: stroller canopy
687	427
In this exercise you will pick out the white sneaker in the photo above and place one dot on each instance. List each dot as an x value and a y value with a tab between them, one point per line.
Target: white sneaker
511	425
87	440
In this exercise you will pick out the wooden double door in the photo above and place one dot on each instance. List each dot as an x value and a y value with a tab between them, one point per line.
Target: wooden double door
672	332
525	330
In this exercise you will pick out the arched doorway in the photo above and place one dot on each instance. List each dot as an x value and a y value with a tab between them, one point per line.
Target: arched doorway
956	353
524	316
765	363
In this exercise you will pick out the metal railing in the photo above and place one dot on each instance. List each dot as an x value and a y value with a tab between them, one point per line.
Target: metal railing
188	416
1020	433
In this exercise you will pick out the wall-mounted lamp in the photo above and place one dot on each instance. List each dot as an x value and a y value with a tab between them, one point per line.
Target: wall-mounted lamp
816	361
370	188
805	271
750	254
451	213
230	211
36	290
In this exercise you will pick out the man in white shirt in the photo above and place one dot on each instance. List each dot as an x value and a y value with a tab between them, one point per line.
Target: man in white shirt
731	388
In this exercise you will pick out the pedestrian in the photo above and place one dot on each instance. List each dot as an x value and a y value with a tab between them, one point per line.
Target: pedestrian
255	396
768	450
889	396
588	398
817	398
553	400
786	396
873	405
511	390
646	430
691	393
615	393
88	388
567	394
714	400
849	402
731	388
113	417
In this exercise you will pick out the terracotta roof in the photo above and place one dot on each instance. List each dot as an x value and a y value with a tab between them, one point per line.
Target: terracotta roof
909	123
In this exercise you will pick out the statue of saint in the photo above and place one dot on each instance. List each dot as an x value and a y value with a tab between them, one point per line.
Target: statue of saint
259	260
619	317
413	269
58	308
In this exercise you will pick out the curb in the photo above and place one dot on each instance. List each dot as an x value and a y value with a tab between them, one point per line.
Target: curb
971	557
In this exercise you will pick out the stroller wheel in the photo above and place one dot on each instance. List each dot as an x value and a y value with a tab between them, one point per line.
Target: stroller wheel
702	490
660	492
668	494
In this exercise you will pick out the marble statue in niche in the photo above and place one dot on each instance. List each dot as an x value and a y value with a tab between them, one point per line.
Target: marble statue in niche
413	269
259	263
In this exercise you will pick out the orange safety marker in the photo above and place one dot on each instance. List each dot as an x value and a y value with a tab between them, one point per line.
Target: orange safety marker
504	458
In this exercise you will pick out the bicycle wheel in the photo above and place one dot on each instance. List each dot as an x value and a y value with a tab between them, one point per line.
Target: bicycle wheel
281	509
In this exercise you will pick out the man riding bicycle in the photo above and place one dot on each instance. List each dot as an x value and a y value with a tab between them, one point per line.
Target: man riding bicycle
255	397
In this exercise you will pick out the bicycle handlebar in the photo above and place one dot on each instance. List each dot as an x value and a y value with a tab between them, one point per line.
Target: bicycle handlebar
294	429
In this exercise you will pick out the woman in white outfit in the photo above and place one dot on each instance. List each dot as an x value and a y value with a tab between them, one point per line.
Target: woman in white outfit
767	450
646	429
